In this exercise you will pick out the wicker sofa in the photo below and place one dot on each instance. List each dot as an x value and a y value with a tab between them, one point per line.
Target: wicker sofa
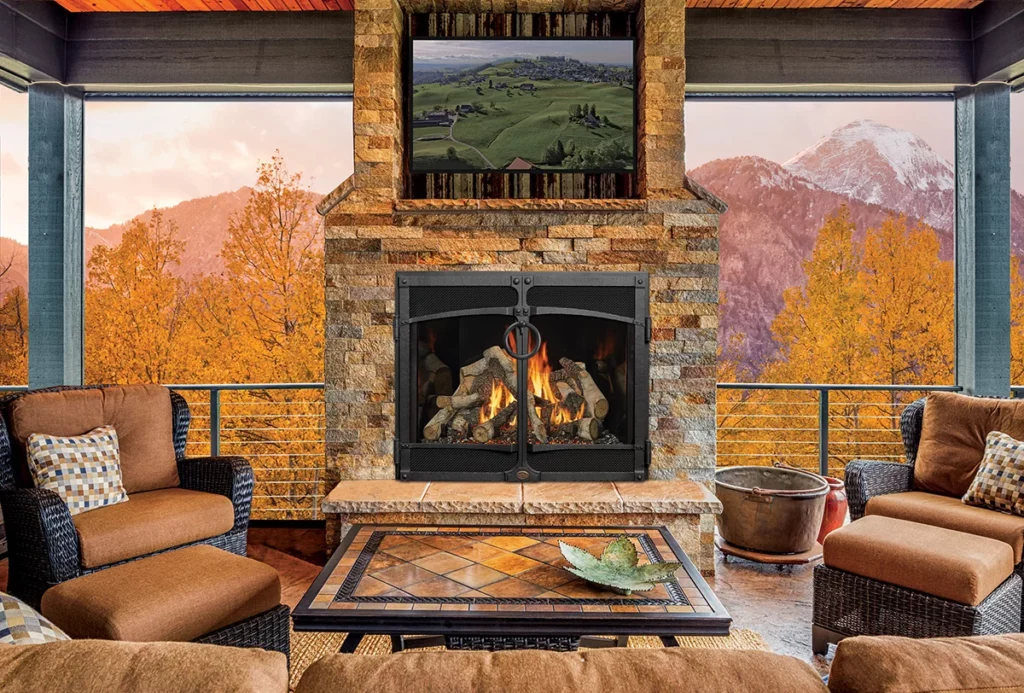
46	545
892	487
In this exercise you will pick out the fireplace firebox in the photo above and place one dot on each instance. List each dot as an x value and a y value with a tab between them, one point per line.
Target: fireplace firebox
519	376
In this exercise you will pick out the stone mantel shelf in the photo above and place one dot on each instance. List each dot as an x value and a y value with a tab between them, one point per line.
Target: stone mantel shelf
545	498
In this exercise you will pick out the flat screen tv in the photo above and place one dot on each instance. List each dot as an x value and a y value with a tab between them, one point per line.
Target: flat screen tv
522	105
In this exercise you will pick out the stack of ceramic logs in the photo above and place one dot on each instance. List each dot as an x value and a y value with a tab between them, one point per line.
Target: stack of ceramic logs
459	412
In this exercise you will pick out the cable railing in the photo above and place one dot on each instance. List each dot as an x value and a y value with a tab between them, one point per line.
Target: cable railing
277	427
819	427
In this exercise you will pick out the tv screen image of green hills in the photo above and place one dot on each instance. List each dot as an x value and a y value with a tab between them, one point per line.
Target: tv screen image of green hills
522	105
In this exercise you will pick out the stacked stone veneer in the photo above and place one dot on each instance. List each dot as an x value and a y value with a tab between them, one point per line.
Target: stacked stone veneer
670	232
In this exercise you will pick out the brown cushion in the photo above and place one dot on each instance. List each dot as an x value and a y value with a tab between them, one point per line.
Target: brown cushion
951	513
96	666
141	415
953	438
992	663
961	567
149	522
606	671
178	595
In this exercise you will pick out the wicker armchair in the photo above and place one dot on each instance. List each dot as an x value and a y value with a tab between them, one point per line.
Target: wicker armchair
43	543
866	479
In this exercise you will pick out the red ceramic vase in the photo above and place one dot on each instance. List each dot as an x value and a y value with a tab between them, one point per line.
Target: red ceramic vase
835	508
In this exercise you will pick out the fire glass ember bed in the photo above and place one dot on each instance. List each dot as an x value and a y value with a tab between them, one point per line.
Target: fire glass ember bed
575	344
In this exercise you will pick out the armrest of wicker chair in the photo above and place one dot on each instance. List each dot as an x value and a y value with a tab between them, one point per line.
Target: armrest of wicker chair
866	479
226	476
41	539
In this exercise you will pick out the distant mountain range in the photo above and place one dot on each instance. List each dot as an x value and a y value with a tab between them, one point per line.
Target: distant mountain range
775	211
202	223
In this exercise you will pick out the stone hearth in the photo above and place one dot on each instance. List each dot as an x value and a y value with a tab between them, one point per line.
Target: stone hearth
687	508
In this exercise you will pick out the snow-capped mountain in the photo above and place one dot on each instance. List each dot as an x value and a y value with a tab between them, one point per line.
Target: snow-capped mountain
775	211
881	165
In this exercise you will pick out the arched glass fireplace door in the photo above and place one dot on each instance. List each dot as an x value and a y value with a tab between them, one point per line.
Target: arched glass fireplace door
522	376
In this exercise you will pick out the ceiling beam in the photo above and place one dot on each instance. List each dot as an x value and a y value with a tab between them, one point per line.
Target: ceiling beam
31	42
999	41
762	50
210	49
726	49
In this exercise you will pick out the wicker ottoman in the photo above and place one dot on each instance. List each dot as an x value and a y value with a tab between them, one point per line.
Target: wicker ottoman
883	576
199	593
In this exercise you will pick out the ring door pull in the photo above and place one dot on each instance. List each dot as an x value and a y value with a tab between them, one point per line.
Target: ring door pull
508	346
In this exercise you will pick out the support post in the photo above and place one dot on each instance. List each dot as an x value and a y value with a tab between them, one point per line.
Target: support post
55	233
823	432
983	239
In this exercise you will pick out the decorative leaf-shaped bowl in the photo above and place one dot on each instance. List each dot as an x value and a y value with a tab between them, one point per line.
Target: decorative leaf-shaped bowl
617	568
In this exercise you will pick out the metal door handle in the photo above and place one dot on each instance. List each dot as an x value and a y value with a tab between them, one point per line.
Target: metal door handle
508	346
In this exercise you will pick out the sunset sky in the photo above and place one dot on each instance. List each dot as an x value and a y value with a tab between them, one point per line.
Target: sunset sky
140	154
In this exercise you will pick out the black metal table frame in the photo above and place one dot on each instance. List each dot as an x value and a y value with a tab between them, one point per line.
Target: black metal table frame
434	626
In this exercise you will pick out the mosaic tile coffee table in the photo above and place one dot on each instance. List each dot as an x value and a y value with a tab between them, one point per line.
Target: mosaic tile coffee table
499	588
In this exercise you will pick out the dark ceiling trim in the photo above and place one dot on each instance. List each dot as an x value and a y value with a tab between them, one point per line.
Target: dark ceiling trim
999	41
726	50
766	49
211	48
32	45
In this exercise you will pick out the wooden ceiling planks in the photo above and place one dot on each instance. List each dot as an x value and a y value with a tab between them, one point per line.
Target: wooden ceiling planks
298	5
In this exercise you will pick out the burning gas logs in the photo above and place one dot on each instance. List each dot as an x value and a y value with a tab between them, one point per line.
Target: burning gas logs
482	408
563	405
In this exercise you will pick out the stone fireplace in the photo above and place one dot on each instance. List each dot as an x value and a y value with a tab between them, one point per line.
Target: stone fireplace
660	229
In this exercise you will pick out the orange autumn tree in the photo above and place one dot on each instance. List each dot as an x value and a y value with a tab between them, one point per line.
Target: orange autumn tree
269	312
261	320
13	330
136	329
876	311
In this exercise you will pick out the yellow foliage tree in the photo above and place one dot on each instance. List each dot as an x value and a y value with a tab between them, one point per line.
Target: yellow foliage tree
135	308
878	311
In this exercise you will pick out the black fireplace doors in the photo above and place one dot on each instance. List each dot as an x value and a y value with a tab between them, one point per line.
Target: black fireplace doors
521	376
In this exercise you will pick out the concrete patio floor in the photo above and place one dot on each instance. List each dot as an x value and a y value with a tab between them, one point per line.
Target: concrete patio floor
775	601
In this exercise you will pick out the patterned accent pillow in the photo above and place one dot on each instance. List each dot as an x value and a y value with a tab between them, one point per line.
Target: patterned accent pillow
85	470
998	483
20	624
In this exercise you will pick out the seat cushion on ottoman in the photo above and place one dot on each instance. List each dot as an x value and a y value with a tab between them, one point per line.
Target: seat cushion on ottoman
951	513
178	595
140	526
960	567
990	663
97	666
533	671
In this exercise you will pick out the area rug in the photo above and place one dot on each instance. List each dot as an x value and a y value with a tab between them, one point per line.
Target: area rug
309	647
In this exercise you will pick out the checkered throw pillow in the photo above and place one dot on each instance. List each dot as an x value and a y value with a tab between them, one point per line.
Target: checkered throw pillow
20	624
85	470
1000	478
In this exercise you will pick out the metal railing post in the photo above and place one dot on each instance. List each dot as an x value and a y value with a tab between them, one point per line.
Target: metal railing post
214	422
823	432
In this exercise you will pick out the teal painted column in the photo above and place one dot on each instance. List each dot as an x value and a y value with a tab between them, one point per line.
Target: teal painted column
983	239
55	236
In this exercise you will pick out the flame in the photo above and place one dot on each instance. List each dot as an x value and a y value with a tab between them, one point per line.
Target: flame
499	398
431	339
539	382
606	348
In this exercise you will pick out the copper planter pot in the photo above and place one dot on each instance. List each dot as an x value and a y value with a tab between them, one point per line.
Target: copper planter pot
769	509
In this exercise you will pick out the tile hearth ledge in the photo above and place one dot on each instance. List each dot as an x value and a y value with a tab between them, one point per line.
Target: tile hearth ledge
687	508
